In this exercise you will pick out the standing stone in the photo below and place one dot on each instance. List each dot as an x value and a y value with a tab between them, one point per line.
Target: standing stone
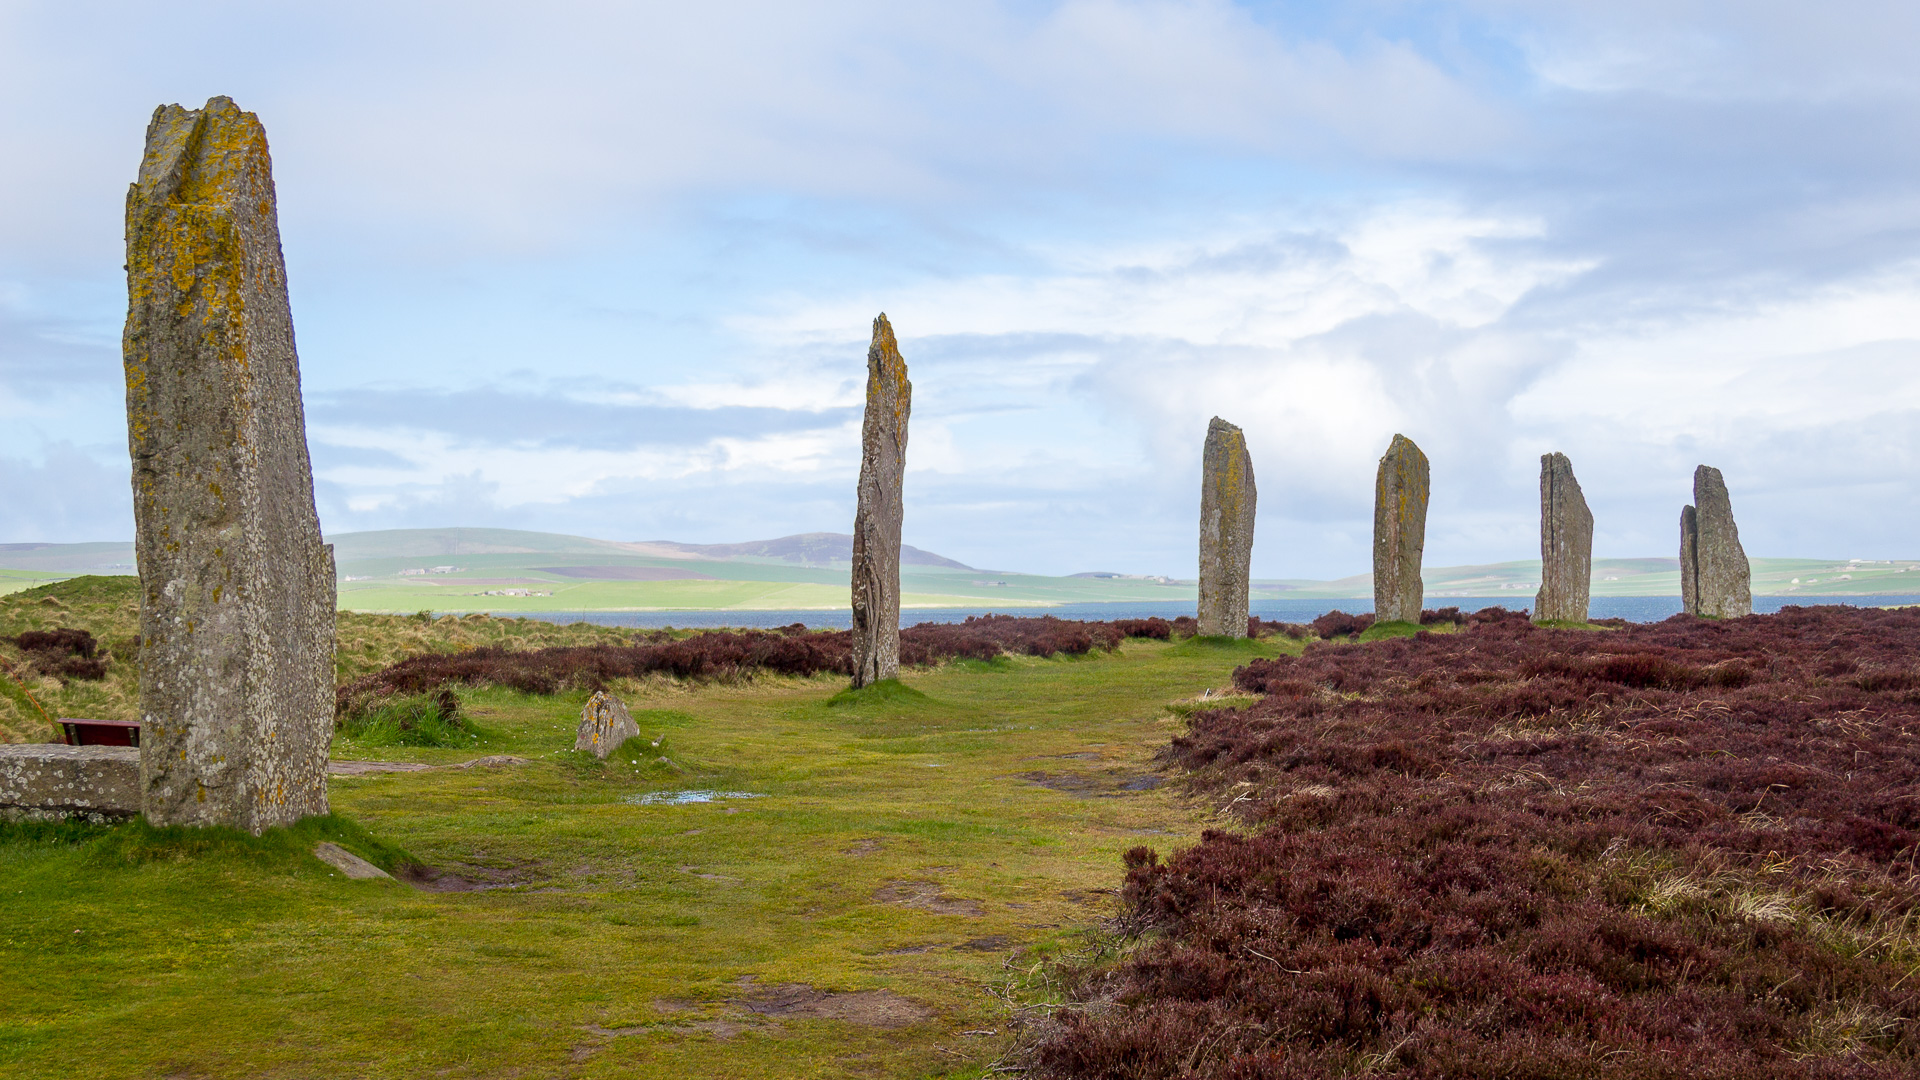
876	524
237	591
1715	579
1227	498
1689	560
604	725
1566	544
1399	532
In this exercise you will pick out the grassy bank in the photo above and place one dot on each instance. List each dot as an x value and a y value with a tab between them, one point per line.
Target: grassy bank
870	866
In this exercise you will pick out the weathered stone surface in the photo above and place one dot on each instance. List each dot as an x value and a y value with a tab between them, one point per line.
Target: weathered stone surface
1715	578
46	781
237	591
604	725
1689	560
1227	499
348	863
876	524
1566	544
1399	532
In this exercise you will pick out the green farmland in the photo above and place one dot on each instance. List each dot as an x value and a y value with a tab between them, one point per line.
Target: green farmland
509	571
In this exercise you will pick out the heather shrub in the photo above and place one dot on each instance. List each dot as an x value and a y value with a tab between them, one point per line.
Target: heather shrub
792	650
1258	628
1338	624
63	652
1679	849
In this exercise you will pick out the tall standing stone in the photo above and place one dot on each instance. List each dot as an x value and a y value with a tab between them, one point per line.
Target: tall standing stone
1399	532
1566	544
1227	499
1715	579
876	524
237	591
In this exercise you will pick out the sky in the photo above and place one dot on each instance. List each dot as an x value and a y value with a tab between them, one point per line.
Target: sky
611	268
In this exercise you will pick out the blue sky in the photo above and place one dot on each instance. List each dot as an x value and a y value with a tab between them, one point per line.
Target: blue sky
610	268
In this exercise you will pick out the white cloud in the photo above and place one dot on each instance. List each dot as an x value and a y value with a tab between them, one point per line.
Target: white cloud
1719	49
536	474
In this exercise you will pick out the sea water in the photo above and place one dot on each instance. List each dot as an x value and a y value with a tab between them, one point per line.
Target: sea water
1631	608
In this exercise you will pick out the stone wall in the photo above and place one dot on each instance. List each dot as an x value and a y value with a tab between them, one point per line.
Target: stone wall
48	781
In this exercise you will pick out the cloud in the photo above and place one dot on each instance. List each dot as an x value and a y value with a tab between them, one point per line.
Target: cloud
610	268
1715	49
593	416
432	132
65	495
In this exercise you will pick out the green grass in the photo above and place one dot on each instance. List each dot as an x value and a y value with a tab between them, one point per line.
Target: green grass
1380	631
904	838
412	720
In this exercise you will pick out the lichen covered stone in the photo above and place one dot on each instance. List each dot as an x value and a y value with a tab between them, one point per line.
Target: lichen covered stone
53	781
237	590
604	725
1227	498
1399	532
876	522
1566	544
1716	581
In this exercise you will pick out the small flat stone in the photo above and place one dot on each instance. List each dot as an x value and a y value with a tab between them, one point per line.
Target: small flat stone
370	768
348	863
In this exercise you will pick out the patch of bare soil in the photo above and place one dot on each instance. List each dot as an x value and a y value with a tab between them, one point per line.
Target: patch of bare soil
695	871
492	761
463	877
369	768
1091	785
927	896
861	847
990	943
869	1008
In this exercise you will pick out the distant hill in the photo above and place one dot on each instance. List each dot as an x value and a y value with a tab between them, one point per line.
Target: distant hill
103	558
488	559
432	543
806	549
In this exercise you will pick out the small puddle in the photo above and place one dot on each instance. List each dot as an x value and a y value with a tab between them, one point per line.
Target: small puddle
682	798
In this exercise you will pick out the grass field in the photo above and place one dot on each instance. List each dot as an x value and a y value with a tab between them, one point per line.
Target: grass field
14	580
902	855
